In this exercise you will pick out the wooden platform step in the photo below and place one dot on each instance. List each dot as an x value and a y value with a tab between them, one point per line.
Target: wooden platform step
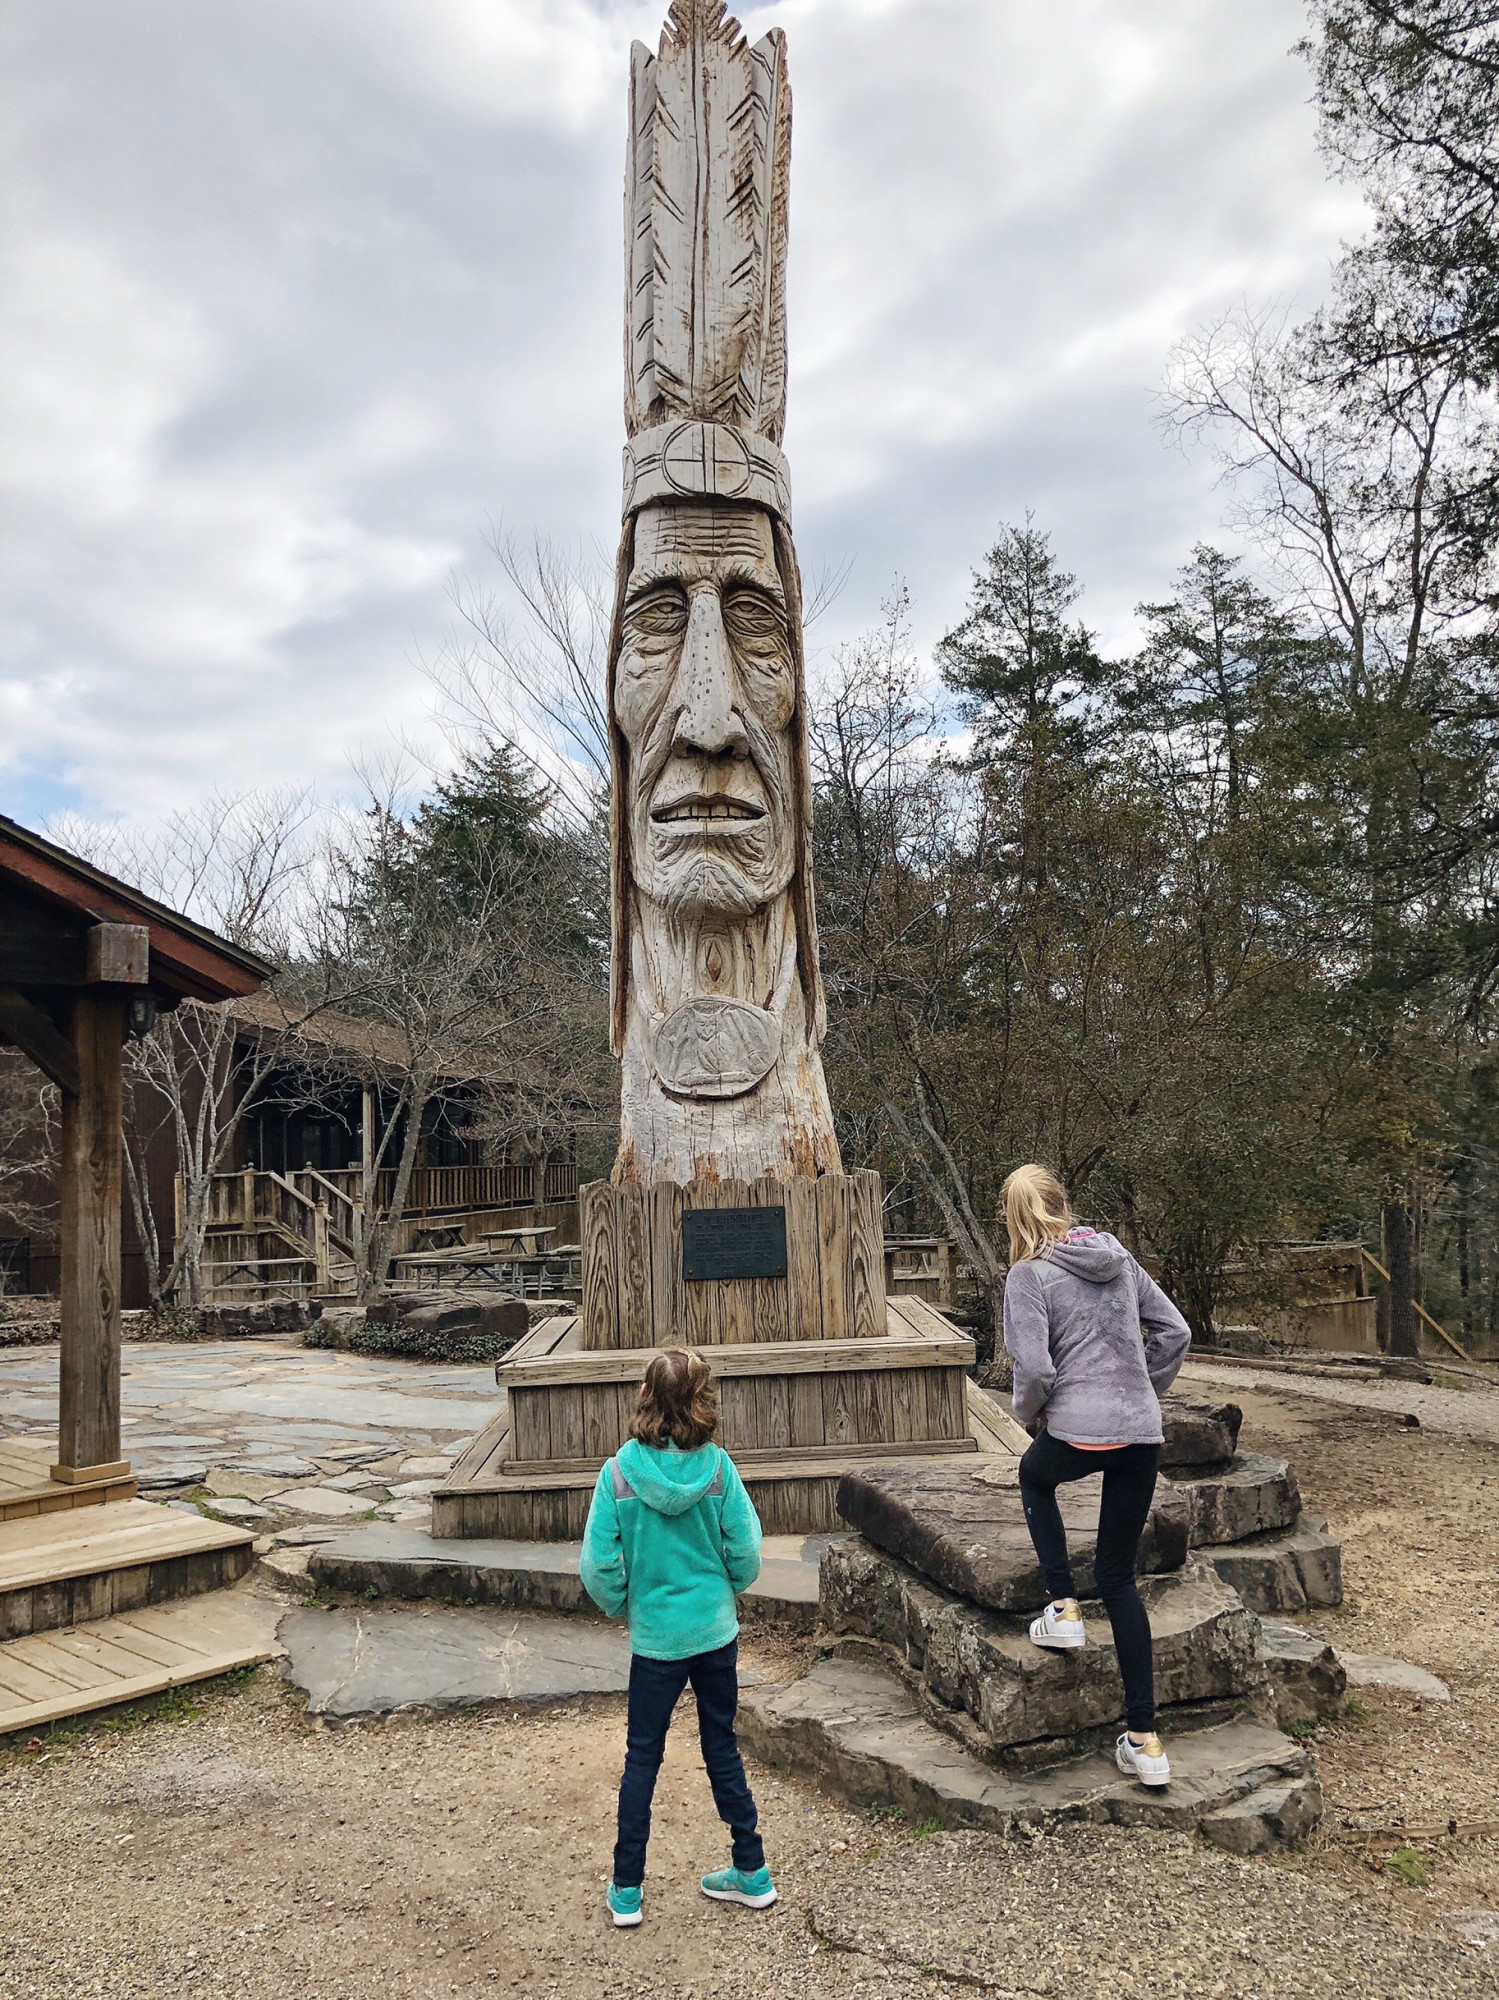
496	1490
27	1486
111	1660
68	1568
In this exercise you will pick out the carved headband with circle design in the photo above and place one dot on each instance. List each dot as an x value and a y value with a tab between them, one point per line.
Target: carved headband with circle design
690	460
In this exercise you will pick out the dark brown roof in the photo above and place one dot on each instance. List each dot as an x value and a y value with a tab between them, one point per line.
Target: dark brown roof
363	1043
185	957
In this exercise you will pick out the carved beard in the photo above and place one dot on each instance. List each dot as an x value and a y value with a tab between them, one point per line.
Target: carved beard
730	874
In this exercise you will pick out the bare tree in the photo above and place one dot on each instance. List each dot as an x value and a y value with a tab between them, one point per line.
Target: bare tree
28	1147
463	949
525	664
897	829
240	864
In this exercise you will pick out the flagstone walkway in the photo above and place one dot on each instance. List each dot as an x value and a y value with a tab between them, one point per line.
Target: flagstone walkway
274	1432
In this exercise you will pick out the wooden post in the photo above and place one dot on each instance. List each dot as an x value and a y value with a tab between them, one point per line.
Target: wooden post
944	1272
320	1245
88	1444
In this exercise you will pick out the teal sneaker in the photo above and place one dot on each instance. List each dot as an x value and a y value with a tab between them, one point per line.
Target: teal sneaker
624	1907
732	1885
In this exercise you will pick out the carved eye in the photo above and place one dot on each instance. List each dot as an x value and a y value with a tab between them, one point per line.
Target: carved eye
662	615
754	620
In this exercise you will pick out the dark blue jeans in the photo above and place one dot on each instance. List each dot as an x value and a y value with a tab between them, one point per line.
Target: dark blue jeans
1129	1474
655	1686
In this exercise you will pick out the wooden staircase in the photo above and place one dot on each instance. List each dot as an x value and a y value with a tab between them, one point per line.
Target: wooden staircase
276	1235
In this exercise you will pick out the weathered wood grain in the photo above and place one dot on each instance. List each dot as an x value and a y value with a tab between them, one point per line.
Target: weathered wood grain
531	1423
89	1306
834	1225
633	1224
754	1358
555	1475
803	1279
598	1229
866	1256
668	1311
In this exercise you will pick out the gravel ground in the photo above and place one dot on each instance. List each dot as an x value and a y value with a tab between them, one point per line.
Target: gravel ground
239	1851
222	1844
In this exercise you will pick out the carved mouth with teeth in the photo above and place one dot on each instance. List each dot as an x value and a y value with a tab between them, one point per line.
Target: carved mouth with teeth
704	809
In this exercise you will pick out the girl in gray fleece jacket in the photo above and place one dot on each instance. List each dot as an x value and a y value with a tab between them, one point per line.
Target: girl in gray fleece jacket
1095	1343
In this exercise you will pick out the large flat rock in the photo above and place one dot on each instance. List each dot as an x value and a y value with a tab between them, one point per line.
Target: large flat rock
855	1728
370	1662
391	1560
1375	1670
983	1663
1292	1570
1198	1432
1251	1495
947	1519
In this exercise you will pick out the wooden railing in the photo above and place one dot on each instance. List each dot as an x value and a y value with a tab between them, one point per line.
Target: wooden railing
319	1218
253	1199
454	1190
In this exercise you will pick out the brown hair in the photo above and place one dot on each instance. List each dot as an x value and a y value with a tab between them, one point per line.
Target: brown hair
1037	1212
678	1402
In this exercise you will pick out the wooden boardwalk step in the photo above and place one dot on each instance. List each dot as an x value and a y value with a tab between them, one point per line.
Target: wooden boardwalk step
27	1486
992	1424
60	1569
48	1675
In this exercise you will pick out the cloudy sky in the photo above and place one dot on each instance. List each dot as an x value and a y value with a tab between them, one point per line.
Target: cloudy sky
303	295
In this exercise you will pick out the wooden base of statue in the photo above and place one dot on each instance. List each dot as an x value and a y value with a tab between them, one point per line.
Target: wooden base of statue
635	1293
816	1370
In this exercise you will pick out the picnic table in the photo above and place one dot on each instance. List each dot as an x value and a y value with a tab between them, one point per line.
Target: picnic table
524	1271
522	1240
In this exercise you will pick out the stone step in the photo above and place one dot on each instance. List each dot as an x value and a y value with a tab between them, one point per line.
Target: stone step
1291	1570
1198	1432
954	1521
1251	1495
388	1560
856	1729
1308	1680
983	1662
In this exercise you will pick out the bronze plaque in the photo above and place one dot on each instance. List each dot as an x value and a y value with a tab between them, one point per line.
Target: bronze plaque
733	1243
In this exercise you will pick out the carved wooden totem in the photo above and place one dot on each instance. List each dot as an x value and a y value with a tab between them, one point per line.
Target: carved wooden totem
718	1011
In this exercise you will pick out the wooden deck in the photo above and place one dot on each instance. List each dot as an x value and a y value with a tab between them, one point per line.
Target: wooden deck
27	1486
85	1563
99	1665
493	1492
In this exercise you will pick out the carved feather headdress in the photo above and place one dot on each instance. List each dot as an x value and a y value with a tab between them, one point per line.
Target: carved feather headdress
706	186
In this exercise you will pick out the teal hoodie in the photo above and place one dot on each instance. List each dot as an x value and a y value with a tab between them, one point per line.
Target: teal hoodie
671	1537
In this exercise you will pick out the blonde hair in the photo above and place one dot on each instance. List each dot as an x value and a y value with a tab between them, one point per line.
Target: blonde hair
1037	1211
678	1402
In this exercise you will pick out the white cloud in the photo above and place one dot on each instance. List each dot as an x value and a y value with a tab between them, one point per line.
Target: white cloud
301	298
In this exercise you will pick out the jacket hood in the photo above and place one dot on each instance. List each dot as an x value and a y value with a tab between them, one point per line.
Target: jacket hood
1087	1253
669	1481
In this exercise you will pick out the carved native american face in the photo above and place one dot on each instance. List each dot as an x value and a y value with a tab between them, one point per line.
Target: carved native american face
705	697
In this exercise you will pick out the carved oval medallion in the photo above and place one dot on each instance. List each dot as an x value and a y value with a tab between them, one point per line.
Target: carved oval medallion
713	1047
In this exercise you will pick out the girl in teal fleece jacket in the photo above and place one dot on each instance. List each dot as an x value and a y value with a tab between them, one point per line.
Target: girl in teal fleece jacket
672	1536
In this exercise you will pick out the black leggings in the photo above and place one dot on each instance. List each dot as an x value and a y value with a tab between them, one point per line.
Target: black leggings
1129	1472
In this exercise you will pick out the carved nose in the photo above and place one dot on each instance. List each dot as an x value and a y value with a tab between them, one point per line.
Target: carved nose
708	719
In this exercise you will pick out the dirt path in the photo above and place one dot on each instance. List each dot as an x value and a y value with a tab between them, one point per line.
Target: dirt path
230	1847
1469	1412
